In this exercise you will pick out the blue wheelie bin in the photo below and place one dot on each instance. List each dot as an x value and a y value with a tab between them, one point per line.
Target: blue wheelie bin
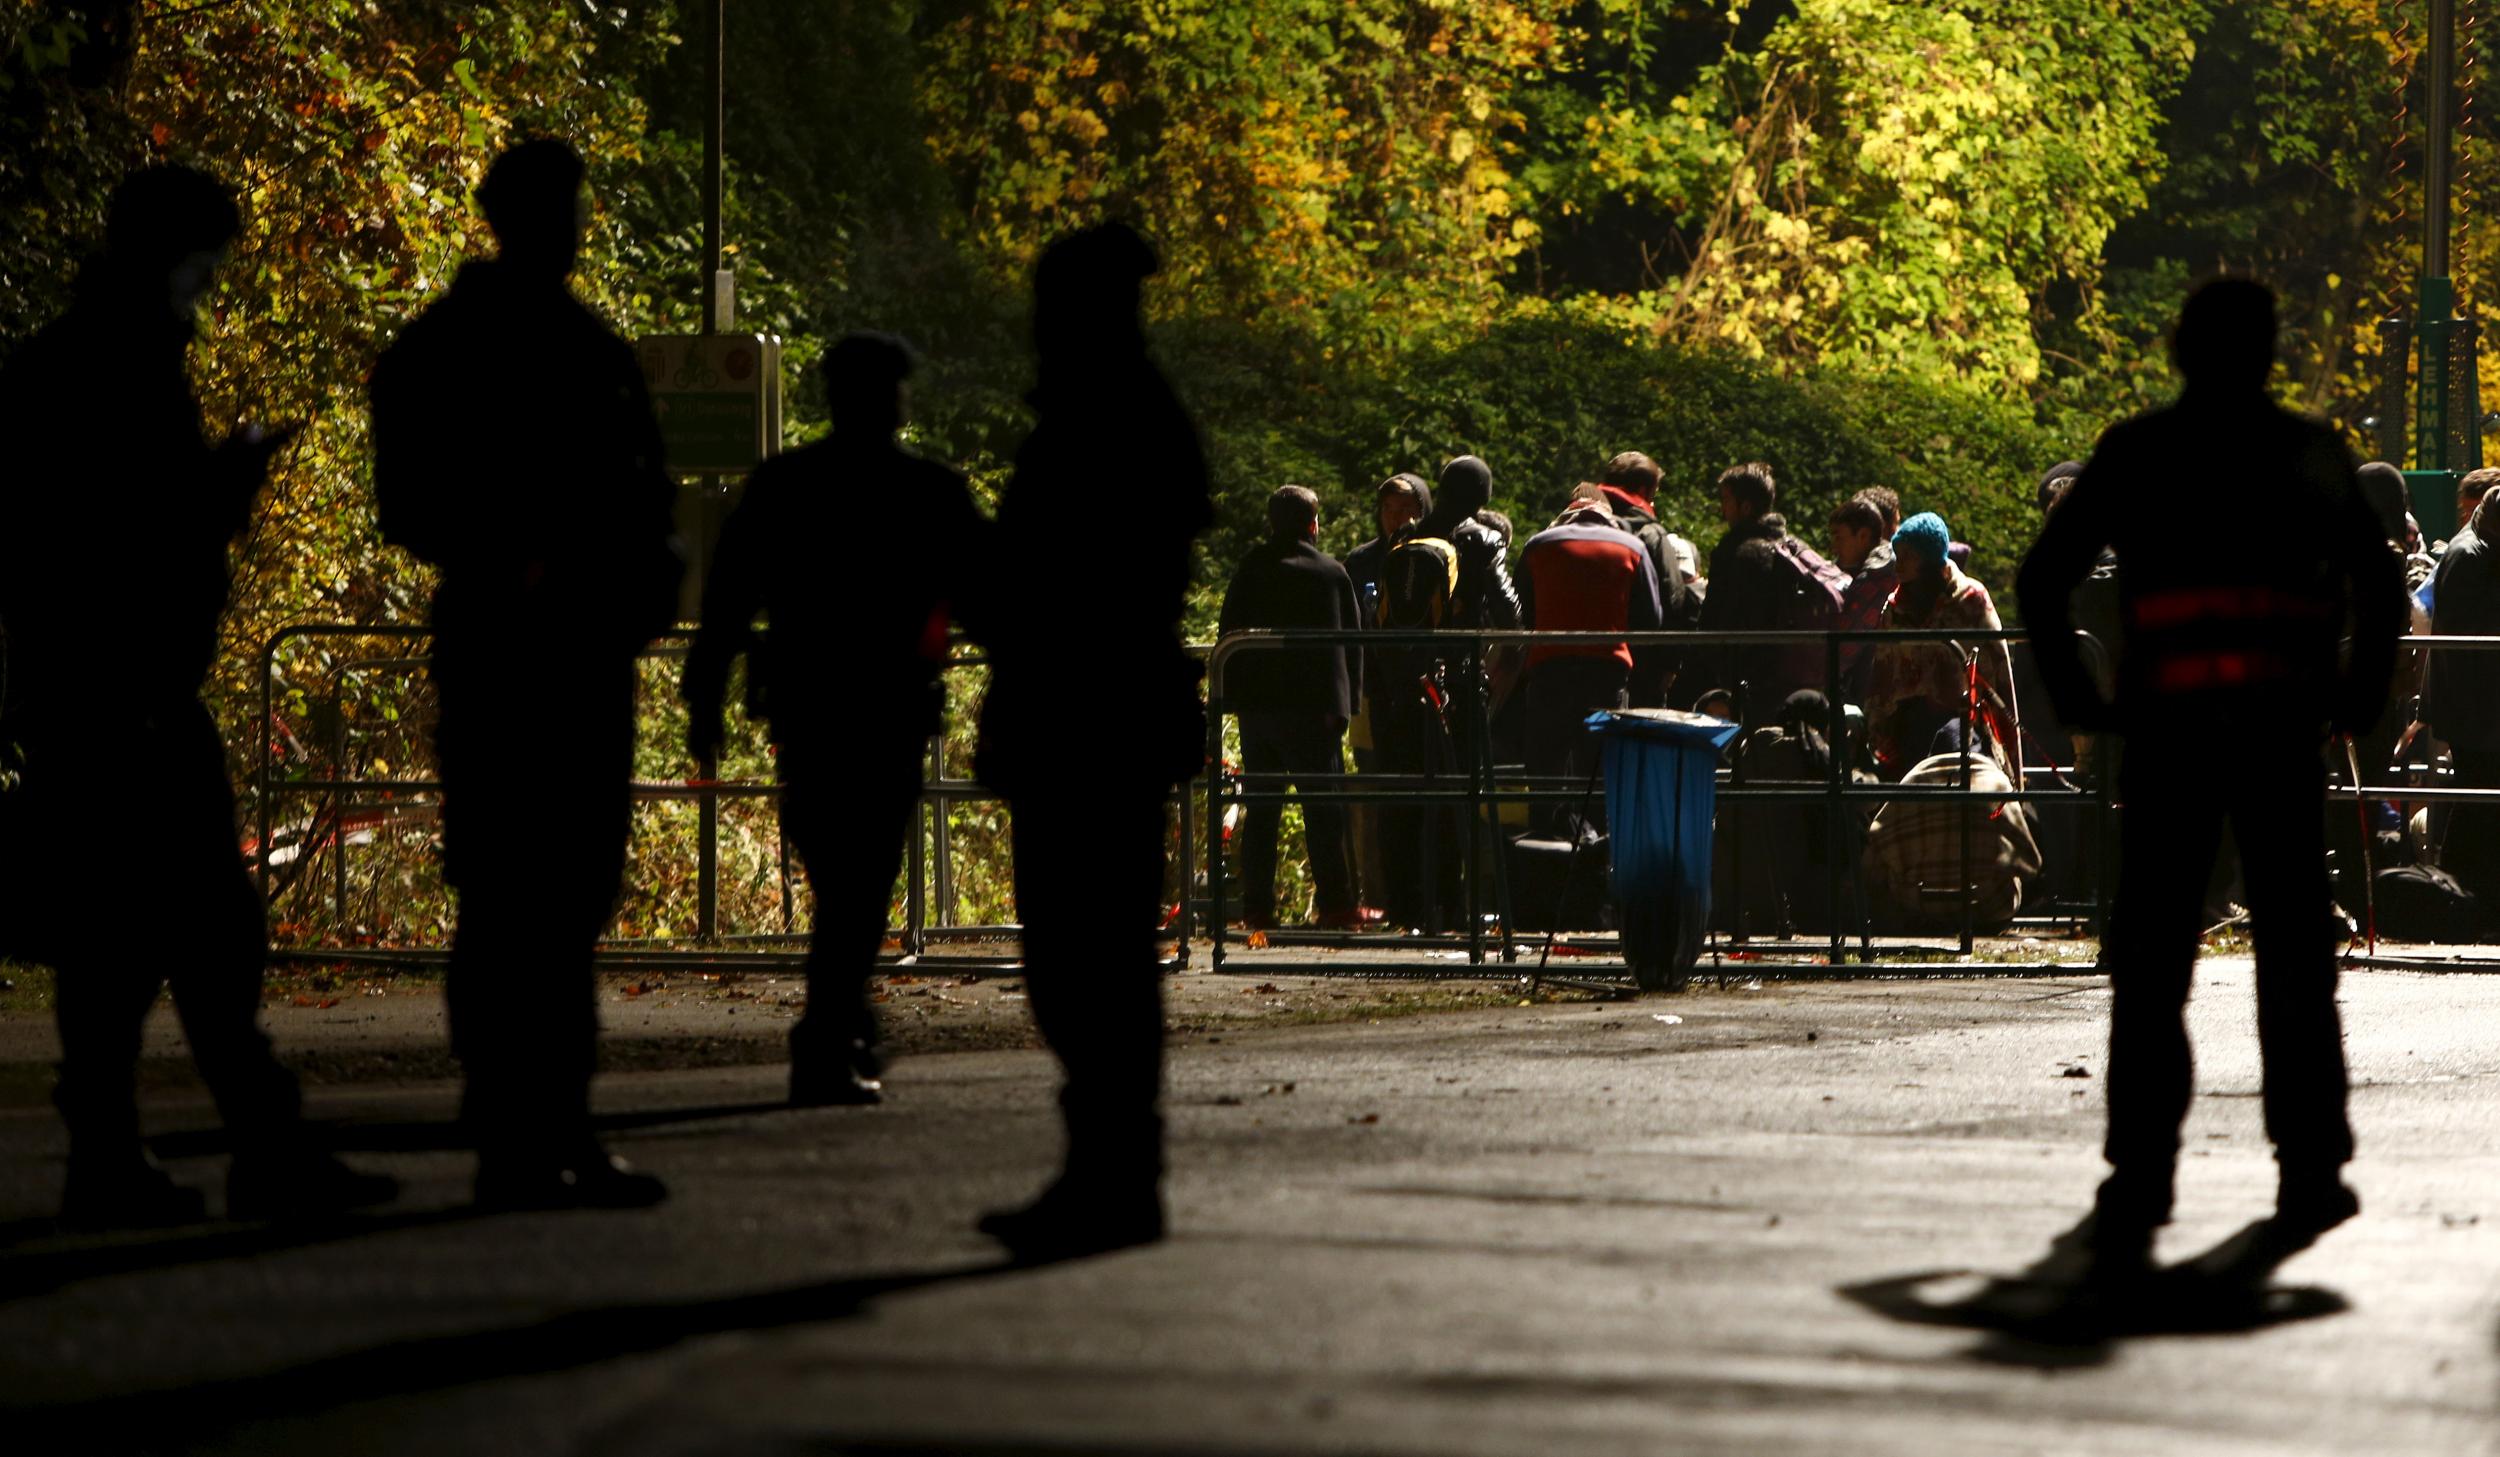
1661	788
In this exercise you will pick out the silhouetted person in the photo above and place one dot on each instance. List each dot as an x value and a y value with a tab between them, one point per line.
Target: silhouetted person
1862	548
2235	647
515	449
113	575
1293	705
848	674
1397	503
2461	703
1091	718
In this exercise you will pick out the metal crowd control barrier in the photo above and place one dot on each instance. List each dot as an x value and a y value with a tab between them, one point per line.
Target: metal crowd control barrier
930	899
928	858
1479	790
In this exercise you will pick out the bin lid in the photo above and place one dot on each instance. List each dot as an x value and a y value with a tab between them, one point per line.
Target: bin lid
1665	725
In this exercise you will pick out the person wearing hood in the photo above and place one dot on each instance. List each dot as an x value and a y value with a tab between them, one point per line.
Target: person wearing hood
515	449
113	577
1485	596
1916	689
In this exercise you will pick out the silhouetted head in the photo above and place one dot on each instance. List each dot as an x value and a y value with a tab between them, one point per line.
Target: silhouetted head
1634	473
168	228
2383	486
2225	336
533	199
1399	502
2480	517
2055	482
1746	491
1088	290
2470	490
1293	514
864	382
1466	484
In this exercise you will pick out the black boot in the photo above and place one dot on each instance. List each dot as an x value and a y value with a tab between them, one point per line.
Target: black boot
1074	1218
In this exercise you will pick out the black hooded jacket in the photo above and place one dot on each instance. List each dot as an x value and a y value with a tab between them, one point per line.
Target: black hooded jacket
1486	597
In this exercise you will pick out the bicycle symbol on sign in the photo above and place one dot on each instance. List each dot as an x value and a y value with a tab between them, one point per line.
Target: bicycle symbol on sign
696	372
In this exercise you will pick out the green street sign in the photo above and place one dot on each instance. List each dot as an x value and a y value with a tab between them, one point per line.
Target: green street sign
718	398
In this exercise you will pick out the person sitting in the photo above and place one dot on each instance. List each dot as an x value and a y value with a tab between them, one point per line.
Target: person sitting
1293	704
1916	687
1860	548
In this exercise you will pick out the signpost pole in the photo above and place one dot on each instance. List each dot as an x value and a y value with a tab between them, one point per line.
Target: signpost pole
2447	436
707	865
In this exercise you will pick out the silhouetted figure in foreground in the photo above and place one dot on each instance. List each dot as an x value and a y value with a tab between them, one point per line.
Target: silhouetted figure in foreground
514	448
1092	717
847	673
1293	705
2233	647
113	575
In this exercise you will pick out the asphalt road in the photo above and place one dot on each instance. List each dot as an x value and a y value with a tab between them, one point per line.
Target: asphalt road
1551	1229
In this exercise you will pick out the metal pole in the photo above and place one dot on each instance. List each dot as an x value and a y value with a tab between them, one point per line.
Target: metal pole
916	854
2438	296
1836	740
715	83
707	856
1215	808
2441	111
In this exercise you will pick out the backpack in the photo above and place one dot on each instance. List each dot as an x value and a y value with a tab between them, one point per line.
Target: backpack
1815	588
1419	583
2422	903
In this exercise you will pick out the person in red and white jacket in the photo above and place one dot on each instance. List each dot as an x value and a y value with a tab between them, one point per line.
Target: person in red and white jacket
1585	573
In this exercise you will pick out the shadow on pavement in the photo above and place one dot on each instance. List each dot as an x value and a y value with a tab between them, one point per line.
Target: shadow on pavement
74	1257
204	1411
106	1254
445	1135
2051	1316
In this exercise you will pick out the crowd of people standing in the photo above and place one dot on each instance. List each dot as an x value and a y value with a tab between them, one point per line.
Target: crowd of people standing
1604	565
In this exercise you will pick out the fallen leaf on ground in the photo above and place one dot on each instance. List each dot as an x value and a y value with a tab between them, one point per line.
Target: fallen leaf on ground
1366	1118
1256	941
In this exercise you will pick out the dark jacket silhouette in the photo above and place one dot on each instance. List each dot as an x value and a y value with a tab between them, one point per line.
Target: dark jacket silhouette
2230	680
1092	716
113	577
515	450
1485	596
1293	705
1750	591
2461	703
1284	585
1581	575
848	673
1679	606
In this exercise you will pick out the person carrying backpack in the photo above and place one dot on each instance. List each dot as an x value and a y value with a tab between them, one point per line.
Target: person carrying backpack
1628	489
1449	570
1762	579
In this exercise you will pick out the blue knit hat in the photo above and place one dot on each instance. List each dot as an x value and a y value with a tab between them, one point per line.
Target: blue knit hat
1924	533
